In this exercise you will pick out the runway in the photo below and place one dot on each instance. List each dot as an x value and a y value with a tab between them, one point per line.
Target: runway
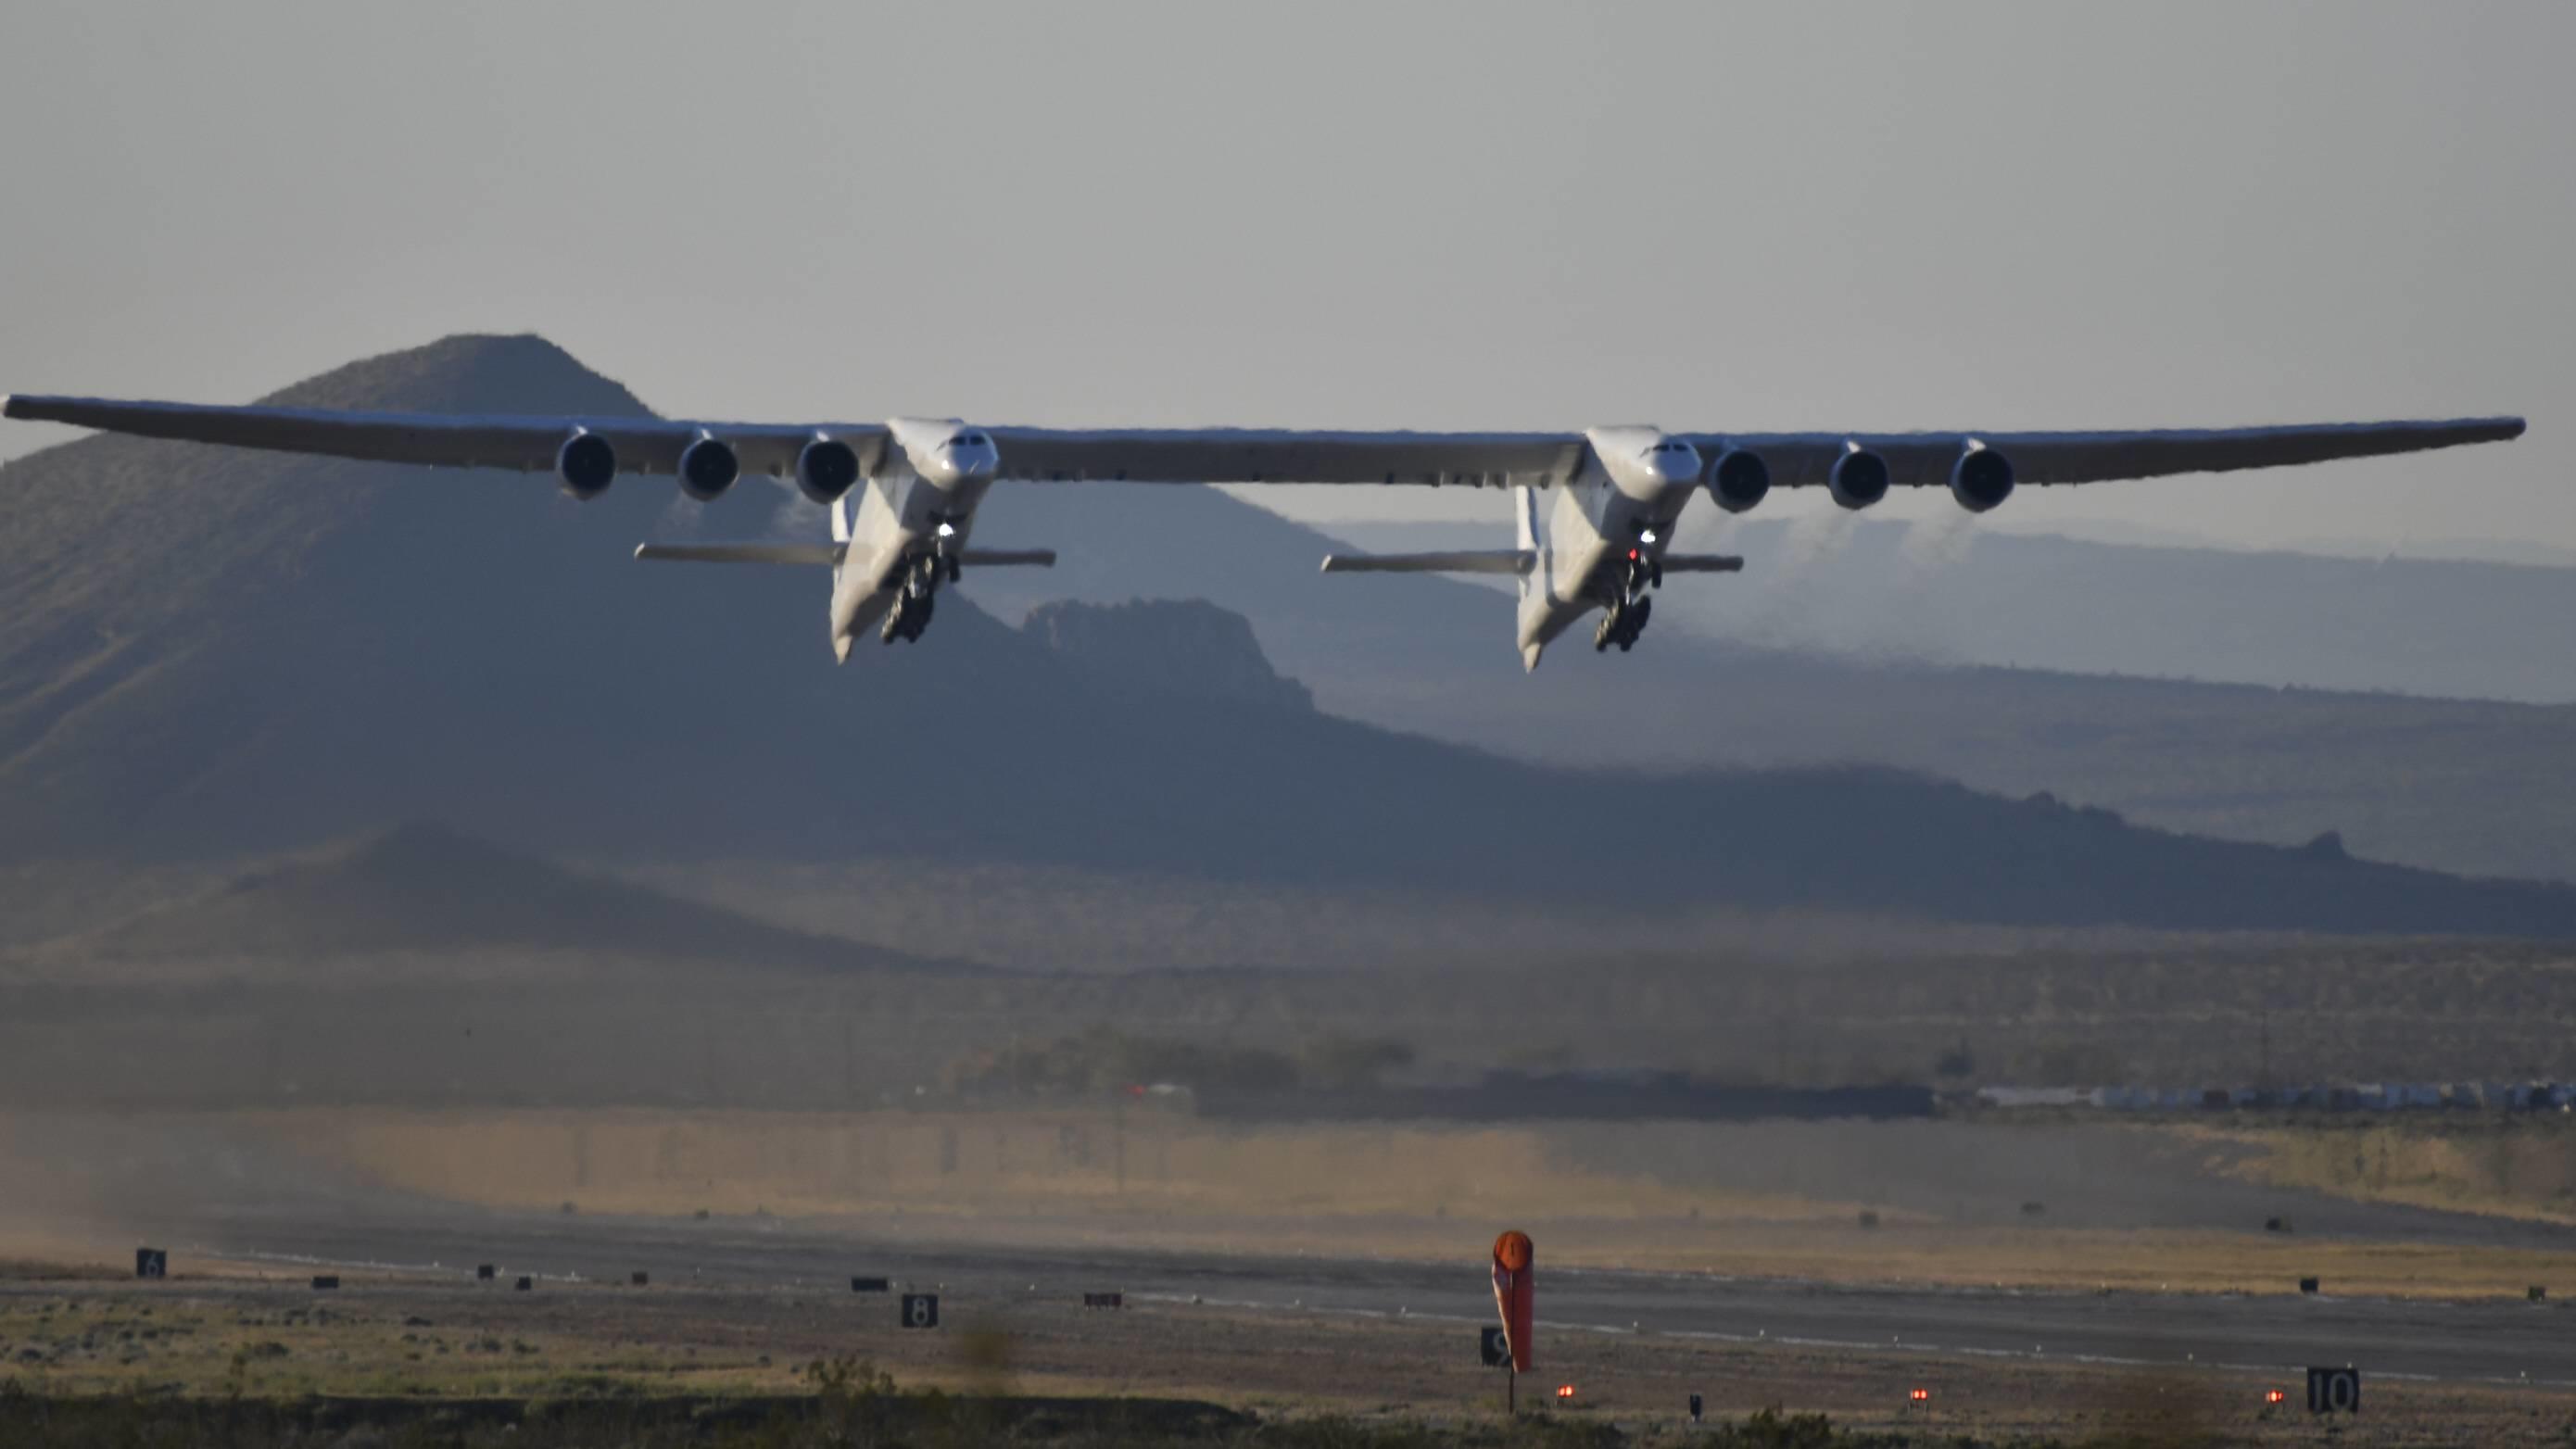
2495	1341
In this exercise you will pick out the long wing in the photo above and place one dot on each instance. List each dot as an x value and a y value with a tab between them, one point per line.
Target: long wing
643	445
1924	459
1233	455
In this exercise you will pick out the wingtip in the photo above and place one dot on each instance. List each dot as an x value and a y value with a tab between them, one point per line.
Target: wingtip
640	548
1327	566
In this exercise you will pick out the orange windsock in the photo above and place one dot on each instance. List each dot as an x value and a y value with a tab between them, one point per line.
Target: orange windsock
1515	1293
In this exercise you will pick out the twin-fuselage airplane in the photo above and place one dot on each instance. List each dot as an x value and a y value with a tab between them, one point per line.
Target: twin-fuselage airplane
904	494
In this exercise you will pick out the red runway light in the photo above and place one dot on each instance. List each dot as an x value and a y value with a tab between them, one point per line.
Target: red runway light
1565	1392
1921	1396
2275	1396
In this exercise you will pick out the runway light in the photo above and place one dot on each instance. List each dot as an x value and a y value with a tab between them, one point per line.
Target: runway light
1565	1393
1920	1396
2275	1396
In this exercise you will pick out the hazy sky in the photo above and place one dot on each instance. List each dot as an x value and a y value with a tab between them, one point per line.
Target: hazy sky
1482	215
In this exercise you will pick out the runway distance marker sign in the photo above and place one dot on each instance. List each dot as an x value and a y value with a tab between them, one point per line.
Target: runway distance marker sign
921	1310
2334	1391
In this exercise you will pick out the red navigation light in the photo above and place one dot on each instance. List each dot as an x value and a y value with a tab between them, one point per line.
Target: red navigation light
1632	554
2275	1396
1920	1396
1565	1393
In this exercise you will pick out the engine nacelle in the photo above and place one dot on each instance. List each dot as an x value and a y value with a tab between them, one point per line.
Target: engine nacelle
1740	480
827	468
1981	479
1859	478
586	464
708	467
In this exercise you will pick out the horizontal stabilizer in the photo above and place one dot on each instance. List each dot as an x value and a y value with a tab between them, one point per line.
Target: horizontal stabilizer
1468	561
1703	563
826	554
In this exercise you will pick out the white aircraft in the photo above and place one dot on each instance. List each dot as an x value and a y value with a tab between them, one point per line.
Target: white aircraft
1604	543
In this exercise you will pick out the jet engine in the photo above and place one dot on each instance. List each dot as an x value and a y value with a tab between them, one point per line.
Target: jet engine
1859	478
586	464
827	468
1981	479
707	468
1740	480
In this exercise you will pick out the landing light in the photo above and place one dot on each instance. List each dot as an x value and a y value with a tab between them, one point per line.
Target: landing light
1646	536
948	530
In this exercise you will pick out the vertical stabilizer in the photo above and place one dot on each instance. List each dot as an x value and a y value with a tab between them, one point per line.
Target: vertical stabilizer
1536	582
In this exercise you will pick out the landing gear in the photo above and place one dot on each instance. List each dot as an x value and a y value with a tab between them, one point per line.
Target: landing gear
1622	622
914	597
1630	608
1642	573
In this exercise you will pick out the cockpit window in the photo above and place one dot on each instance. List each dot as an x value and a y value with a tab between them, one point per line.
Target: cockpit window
970	440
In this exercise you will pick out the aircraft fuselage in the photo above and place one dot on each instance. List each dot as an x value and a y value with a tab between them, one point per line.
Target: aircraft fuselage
1606	530
920	507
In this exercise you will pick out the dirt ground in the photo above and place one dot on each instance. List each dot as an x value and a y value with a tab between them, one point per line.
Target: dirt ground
386	1336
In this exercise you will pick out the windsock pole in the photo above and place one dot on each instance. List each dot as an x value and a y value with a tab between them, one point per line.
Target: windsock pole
1515	1297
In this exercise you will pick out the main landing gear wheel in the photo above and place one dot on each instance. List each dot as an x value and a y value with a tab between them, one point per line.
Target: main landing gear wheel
912	601
1621	623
